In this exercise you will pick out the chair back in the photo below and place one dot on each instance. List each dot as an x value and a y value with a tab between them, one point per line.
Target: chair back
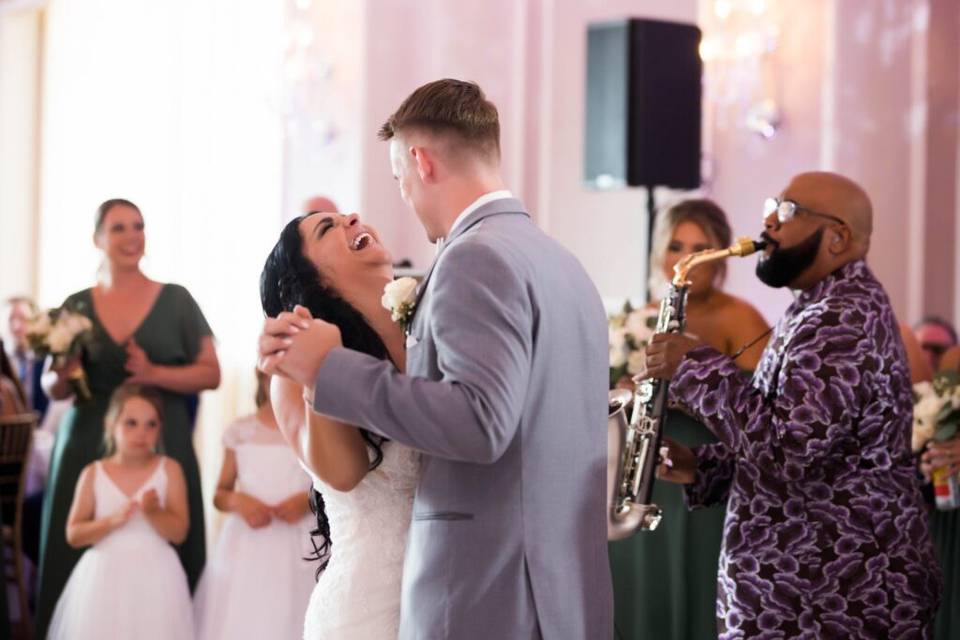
16	441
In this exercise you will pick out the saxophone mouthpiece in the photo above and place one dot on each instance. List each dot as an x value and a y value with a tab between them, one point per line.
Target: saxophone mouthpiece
745	246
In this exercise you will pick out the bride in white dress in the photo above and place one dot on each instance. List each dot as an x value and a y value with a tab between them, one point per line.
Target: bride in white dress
336	267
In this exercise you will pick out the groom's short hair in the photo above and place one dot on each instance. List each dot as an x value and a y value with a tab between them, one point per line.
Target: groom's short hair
453	109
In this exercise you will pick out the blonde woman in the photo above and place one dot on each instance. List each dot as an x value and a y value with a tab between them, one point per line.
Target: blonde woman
665	581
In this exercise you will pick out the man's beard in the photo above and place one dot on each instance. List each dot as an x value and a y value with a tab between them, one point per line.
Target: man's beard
783	266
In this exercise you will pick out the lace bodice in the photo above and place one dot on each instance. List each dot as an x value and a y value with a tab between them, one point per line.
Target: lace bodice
266	467
381	503
359	593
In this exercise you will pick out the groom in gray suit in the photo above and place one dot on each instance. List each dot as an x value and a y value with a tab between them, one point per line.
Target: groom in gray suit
504	394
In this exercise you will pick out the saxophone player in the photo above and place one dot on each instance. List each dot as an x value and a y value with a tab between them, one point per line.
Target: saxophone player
826	533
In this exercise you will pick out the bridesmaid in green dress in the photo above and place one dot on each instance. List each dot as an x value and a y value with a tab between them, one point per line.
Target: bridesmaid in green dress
945	526
145	332
664	581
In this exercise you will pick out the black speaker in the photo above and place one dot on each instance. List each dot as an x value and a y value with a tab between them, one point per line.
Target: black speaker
643	104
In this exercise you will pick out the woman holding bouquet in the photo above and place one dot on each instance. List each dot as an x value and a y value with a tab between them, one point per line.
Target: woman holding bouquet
144	332
665	581
945	524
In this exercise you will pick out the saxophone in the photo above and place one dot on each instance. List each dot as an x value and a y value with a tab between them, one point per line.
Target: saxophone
633	447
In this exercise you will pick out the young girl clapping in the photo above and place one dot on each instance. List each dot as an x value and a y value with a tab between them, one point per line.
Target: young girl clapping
128	508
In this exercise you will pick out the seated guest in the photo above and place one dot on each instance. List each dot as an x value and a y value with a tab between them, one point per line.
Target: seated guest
826	533
12	398
936	337
664	581
28	368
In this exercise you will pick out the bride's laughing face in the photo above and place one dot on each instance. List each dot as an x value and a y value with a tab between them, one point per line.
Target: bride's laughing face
343	249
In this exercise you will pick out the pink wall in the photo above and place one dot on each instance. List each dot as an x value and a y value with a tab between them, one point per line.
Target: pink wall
411	42
529	58
867	89
605	229
743	168
942	142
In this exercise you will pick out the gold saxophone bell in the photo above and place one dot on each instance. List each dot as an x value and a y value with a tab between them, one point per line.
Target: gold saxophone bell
633	446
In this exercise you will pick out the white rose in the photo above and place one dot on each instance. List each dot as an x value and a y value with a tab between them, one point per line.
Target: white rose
638	324
922	433
927	408
617	337
618	346
59	339
923	389
637	362
397	292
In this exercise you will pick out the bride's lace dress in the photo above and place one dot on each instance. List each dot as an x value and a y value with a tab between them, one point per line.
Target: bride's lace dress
358	595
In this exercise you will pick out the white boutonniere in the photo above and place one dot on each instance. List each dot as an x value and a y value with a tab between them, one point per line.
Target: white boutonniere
400	299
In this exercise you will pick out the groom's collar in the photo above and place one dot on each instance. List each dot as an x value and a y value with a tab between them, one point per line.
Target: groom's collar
491	207
460	222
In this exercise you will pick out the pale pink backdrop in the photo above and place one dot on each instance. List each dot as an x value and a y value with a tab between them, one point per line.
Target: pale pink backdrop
866	88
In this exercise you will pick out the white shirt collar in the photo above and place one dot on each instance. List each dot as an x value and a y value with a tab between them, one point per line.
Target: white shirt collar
479	202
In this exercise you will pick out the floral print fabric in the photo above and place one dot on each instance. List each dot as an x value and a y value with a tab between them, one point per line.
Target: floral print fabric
826	534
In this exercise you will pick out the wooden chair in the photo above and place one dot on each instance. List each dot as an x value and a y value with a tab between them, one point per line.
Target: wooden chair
16	443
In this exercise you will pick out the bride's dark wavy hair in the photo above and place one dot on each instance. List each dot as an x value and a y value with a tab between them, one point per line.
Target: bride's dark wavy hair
288	279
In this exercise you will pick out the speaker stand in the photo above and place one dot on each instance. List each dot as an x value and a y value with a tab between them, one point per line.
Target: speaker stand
651	219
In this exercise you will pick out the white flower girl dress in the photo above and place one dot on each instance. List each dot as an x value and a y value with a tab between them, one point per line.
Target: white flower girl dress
130	584
257	583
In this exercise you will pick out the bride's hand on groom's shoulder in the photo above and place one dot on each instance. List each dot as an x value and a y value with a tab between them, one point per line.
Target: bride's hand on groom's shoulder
294	345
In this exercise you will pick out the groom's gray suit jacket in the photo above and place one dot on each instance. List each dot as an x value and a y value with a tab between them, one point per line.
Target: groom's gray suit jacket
506	396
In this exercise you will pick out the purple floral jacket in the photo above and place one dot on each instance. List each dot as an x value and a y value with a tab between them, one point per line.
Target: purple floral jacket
826	533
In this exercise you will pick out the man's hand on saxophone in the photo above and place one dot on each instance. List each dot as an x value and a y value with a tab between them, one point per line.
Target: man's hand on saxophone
664	354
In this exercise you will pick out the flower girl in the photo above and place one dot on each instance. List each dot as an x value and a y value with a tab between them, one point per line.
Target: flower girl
258	584
130	506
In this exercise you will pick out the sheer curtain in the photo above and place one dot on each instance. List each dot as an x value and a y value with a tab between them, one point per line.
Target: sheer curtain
173	105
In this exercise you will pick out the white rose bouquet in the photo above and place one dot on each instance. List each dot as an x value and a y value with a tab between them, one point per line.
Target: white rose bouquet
60	334
630	331
936	409
936	415
400	299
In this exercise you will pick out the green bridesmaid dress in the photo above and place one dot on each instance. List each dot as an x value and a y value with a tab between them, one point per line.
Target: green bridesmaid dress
665	581
170	335
945	529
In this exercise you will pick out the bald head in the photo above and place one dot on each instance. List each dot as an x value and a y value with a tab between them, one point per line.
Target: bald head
836	195
320	203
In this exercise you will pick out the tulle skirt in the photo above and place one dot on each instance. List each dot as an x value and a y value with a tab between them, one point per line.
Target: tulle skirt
125	589
257	583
